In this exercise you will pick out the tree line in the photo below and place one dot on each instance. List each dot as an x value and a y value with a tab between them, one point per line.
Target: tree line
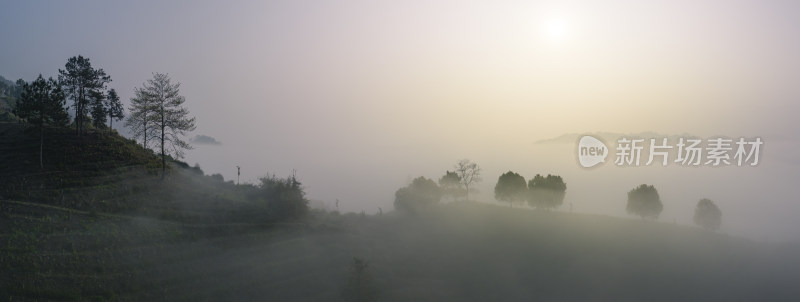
543	192
644	201
157	113
540	192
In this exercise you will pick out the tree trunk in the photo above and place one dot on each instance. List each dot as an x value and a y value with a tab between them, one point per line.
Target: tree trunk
41	146
163	160
144	132
79	112
163	154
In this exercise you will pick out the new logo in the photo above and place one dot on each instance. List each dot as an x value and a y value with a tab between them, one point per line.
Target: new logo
591	151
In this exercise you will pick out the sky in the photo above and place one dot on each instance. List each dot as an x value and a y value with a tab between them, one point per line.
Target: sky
359	97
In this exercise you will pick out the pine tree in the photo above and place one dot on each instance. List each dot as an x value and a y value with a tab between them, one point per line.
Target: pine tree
42	103
114	107
99	110
78	80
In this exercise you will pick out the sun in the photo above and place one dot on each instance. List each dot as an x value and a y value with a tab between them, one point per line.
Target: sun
555	28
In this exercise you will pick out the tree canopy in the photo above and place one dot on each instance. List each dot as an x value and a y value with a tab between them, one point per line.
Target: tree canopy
79	80
644	201
707	214
97	100
450	184
285	197
421	193
114	107
511	188
546	192
42	103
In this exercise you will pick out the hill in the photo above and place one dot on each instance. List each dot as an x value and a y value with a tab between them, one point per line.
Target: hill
7	101
97	224
4	81
102	171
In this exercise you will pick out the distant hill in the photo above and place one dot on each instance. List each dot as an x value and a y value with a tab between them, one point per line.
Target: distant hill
5	81
6	100
608	137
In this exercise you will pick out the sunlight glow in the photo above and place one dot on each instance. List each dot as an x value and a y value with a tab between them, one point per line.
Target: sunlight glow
555	28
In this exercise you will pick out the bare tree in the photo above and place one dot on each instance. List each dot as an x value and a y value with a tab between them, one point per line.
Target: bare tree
469	173
140	120
163	109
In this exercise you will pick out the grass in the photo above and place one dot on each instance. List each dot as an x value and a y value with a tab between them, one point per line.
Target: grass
457	252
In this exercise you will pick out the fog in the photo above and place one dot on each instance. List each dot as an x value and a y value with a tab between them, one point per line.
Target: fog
358	98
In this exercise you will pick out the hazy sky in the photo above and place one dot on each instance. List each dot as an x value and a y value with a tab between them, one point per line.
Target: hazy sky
360	96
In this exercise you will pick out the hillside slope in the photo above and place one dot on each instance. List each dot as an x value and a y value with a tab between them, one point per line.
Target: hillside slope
456	252
98	224
104	172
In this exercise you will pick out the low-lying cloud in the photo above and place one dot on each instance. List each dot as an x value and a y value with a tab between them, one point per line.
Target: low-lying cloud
206	140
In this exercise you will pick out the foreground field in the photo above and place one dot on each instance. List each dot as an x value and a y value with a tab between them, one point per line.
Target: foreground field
456	252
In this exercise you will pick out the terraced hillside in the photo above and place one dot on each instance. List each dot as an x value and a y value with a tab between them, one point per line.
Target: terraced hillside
104	172
79	171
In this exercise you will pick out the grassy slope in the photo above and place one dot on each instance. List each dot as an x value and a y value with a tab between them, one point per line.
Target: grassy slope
120	234
458	252
104	172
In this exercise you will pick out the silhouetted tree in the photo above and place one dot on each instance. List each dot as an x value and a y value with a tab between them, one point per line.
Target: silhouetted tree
141	119
450	185
360	287
546	192
168	116
12	89
421	193
4	89
16	90
42	103
78	79
114	106
707	214
285	197
97	99
645	202
217	177
469	173
510	187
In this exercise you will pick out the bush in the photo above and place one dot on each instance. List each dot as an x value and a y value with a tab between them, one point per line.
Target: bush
217	177
421	193
285	198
